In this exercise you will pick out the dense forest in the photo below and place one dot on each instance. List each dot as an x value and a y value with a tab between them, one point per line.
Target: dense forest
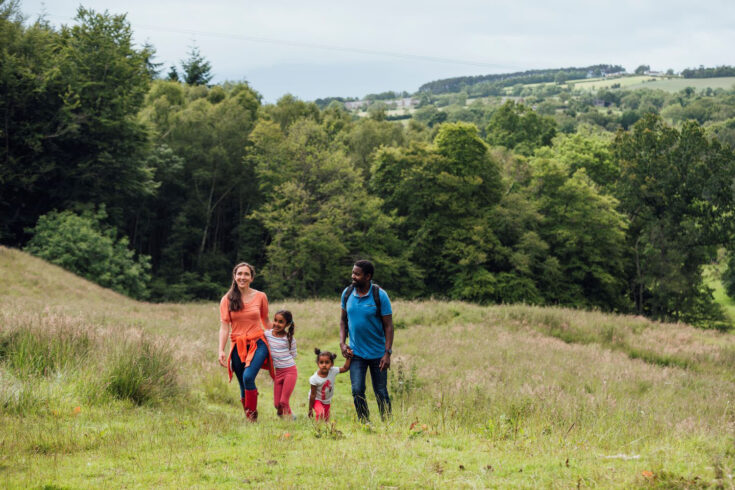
156	184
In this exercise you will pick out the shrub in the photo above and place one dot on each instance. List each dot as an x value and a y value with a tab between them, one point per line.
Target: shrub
83	245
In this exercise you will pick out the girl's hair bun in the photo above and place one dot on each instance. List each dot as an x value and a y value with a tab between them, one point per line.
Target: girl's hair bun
320	353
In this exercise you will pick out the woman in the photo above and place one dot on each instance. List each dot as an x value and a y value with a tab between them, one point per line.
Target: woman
243	315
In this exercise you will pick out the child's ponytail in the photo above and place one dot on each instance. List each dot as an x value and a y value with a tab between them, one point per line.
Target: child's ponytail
289	334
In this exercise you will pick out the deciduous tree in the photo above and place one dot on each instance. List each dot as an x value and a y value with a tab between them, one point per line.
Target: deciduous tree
518	127
676	189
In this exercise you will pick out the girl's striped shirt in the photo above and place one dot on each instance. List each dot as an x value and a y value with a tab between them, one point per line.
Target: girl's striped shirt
283	357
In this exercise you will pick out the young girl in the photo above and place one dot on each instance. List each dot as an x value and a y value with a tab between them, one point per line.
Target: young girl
283	351
322	383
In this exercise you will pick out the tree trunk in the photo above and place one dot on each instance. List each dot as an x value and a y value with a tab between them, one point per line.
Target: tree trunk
639	279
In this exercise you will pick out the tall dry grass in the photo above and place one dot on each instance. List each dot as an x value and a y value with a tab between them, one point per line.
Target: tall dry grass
46	349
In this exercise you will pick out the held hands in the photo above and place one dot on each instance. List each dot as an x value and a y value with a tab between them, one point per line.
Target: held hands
346	351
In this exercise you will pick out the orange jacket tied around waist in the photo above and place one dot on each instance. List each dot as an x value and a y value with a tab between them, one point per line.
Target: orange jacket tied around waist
246	350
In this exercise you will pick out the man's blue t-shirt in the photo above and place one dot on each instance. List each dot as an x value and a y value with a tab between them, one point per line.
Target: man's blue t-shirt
367	338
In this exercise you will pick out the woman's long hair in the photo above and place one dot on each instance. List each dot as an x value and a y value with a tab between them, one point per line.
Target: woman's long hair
233	295
289	324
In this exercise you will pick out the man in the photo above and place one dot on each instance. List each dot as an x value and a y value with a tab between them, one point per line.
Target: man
371	337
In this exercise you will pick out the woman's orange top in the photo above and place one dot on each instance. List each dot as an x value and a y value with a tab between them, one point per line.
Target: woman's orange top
246	328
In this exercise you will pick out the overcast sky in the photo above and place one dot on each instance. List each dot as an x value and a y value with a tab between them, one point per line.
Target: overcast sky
319	48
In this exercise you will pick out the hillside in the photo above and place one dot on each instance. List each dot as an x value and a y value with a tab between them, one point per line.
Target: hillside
457	84
483	397
600	97
667	84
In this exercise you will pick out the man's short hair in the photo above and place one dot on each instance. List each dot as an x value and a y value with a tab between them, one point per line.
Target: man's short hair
366	267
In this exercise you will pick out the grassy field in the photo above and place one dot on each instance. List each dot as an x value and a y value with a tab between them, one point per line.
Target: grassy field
712	275
99	390
659	83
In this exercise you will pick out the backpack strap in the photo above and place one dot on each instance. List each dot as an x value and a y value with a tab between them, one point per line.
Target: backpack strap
376	298
348	293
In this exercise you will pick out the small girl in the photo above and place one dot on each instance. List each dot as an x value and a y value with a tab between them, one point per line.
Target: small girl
322	383
283	351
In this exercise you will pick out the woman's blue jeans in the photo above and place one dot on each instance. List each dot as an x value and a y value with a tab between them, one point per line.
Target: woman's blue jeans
246	375
358	371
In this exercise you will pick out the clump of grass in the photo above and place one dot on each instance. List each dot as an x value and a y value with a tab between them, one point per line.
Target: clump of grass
403	380
327	430
52	349
143	372
400	324
45	349
15	396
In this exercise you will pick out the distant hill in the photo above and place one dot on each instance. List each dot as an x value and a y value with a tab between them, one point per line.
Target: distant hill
29	278
456	84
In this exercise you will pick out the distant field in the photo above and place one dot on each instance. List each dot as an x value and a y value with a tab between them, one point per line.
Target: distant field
599	83
712	279
508	396
390	112
660	83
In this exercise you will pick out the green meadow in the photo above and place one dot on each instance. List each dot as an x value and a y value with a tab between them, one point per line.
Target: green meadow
668	84
97	390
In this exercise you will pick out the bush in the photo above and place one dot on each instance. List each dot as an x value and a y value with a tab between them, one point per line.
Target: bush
83	245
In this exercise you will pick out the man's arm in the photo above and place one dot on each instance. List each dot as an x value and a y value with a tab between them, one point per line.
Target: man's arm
388	329
346	351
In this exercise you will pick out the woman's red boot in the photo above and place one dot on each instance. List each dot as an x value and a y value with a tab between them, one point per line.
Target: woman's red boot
251	405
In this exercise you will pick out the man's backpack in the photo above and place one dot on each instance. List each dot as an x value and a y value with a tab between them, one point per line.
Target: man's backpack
376	297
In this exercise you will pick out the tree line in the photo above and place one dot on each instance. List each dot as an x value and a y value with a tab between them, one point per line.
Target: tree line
156	187
702	72
500	80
